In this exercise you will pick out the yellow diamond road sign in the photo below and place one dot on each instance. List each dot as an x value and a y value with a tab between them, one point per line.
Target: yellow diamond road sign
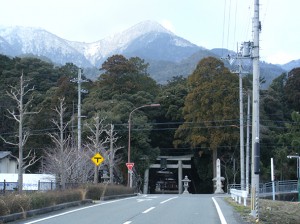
97	159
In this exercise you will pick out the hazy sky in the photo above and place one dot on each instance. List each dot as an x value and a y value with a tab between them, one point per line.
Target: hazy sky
207	23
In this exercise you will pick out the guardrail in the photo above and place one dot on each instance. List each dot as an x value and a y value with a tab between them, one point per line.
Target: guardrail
237	195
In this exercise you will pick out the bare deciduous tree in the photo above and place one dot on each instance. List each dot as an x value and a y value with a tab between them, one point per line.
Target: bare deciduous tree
65	161
97	142
17	93
113	160
103	140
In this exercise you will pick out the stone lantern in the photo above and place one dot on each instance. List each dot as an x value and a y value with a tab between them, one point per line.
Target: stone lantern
105	178
186	184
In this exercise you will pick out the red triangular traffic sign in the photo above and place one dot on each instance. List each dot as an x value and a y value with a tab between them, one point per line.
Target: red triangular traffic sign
130	166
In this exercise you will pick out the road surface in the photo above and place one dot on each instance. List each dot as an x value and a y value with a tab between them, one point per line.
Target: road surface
144	209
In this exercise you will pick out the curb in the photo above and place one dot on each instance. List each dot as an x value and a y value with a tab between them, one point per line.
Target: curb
27	214
106	198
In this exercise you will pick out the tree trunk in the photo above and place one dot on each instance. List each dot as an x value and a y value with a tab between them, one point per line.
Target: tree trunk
214	157
20	171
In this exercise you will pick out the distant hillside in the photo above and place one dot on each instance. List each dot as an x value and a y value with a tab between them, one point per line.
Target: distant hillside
168	54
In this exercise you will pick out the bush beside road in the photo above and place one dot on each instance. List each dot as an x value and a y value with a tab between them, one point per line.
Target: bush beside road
270	212
14	206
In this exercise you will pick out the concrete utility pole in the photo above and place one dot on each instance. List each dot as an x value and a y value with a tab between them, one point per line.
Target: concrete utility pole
244	54
79	81
248	144
111	154
255	109
242	148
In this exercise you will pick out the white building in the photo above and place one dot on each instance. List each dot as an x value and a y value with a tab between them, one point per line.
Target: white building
8	163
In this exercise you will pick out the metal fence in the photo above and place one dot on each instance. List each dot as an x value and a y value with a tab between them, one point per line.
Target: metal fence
40	186
281	187
265	189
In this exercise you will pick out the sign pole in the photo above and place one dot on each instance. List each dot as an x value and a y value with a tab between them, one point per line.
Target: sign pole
272	179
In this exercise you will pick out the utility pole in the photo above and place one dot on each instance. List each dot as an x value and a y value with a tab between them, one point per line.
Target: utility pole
243	54
255	113
79	81
242	154
248	143
111	155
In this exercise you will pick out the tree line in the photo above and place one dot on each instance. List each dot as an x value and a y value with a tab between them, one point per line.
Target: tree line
198	115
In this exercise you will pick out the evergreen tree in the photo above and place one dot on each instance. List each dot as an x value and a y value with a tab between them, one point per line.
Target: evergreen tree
210	109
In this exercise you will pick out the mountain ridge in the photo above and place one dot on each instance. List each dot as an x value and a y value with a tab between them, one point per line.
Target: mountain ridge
148	40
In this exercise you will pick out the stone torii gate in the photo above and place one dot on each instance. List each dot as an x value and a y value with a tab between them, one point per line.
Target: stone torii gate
178	166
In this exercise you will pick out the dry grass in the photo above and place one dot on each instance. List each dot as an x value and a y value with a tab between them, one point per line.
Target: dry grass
270	212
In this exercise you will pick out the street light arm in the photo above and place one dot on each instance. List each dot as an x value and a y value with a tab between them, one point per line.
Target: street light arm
146	105
129	137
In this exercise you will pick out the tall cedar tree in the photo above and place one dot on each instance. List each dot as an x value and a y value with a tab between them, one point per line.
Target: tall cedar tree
292	89
211	108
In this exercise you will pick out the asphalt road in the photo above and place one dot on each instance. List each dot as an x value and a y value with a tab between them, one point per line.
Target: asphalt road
144	209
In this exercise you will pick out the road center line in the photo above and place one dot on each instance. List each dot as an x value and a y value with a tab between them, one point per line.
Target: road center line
221	216
148	210
168	200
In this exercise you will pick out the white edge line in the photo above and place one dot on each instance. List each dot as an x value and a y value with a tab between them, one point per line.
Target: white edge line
76	210
221	216
168	200
148	210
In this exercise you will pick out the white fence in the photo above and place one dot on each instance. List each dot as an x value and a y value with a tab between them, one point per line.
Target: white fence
237	195
30	181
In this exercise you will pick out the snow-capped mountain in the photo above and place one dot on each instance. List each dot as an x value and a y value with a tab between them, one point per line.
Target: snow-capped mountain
168	55
36	41
148	40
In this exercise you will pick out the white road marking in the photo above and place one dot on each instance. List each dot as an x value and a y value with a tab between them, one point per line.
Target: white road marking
148	210
128	222
76	210
221	216
146	199
152	197
168	200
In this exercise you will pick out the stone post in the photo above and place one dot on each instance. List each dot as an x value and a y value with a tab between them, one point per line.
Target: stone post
179	176
218	179
146	181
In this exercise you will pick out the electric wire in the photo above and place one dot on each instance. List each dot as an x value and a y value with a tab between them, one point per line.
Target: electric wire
235	18
224	19
228	29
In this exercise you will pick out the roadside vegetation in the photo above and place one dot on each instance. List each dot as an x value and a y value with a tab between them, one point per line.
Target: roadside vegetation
11	203
270	212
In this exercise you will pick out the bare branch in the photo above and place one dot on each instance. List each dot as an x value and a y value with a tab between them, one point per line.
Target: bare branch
7	142
32	161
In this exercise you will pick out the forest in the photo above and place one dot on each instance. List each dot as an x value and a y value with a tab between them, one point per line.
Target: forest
198	115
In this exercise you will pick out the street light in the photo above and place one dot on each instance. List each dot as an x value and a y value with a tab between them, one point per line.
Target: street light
129	129
298	171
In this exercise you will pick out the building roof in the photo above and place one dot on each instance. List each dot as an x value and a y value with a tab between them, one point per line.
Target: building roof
4	154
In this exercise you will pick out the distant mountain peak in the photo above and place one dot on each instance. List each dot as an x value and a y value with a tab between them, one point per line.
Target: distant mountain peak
148	26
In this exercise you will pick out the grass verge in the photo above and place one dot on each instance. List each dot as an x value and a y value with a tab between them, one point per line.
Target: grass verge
270	212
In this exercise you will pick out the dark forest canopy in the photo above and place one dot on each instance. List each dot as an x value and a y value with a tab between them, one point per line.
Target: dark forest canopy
197	114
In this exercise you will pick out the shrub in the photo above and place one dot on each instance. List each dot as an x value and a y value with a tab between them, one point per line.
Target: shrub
67	196
117	190
41	200
96	191
14	203
3	207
